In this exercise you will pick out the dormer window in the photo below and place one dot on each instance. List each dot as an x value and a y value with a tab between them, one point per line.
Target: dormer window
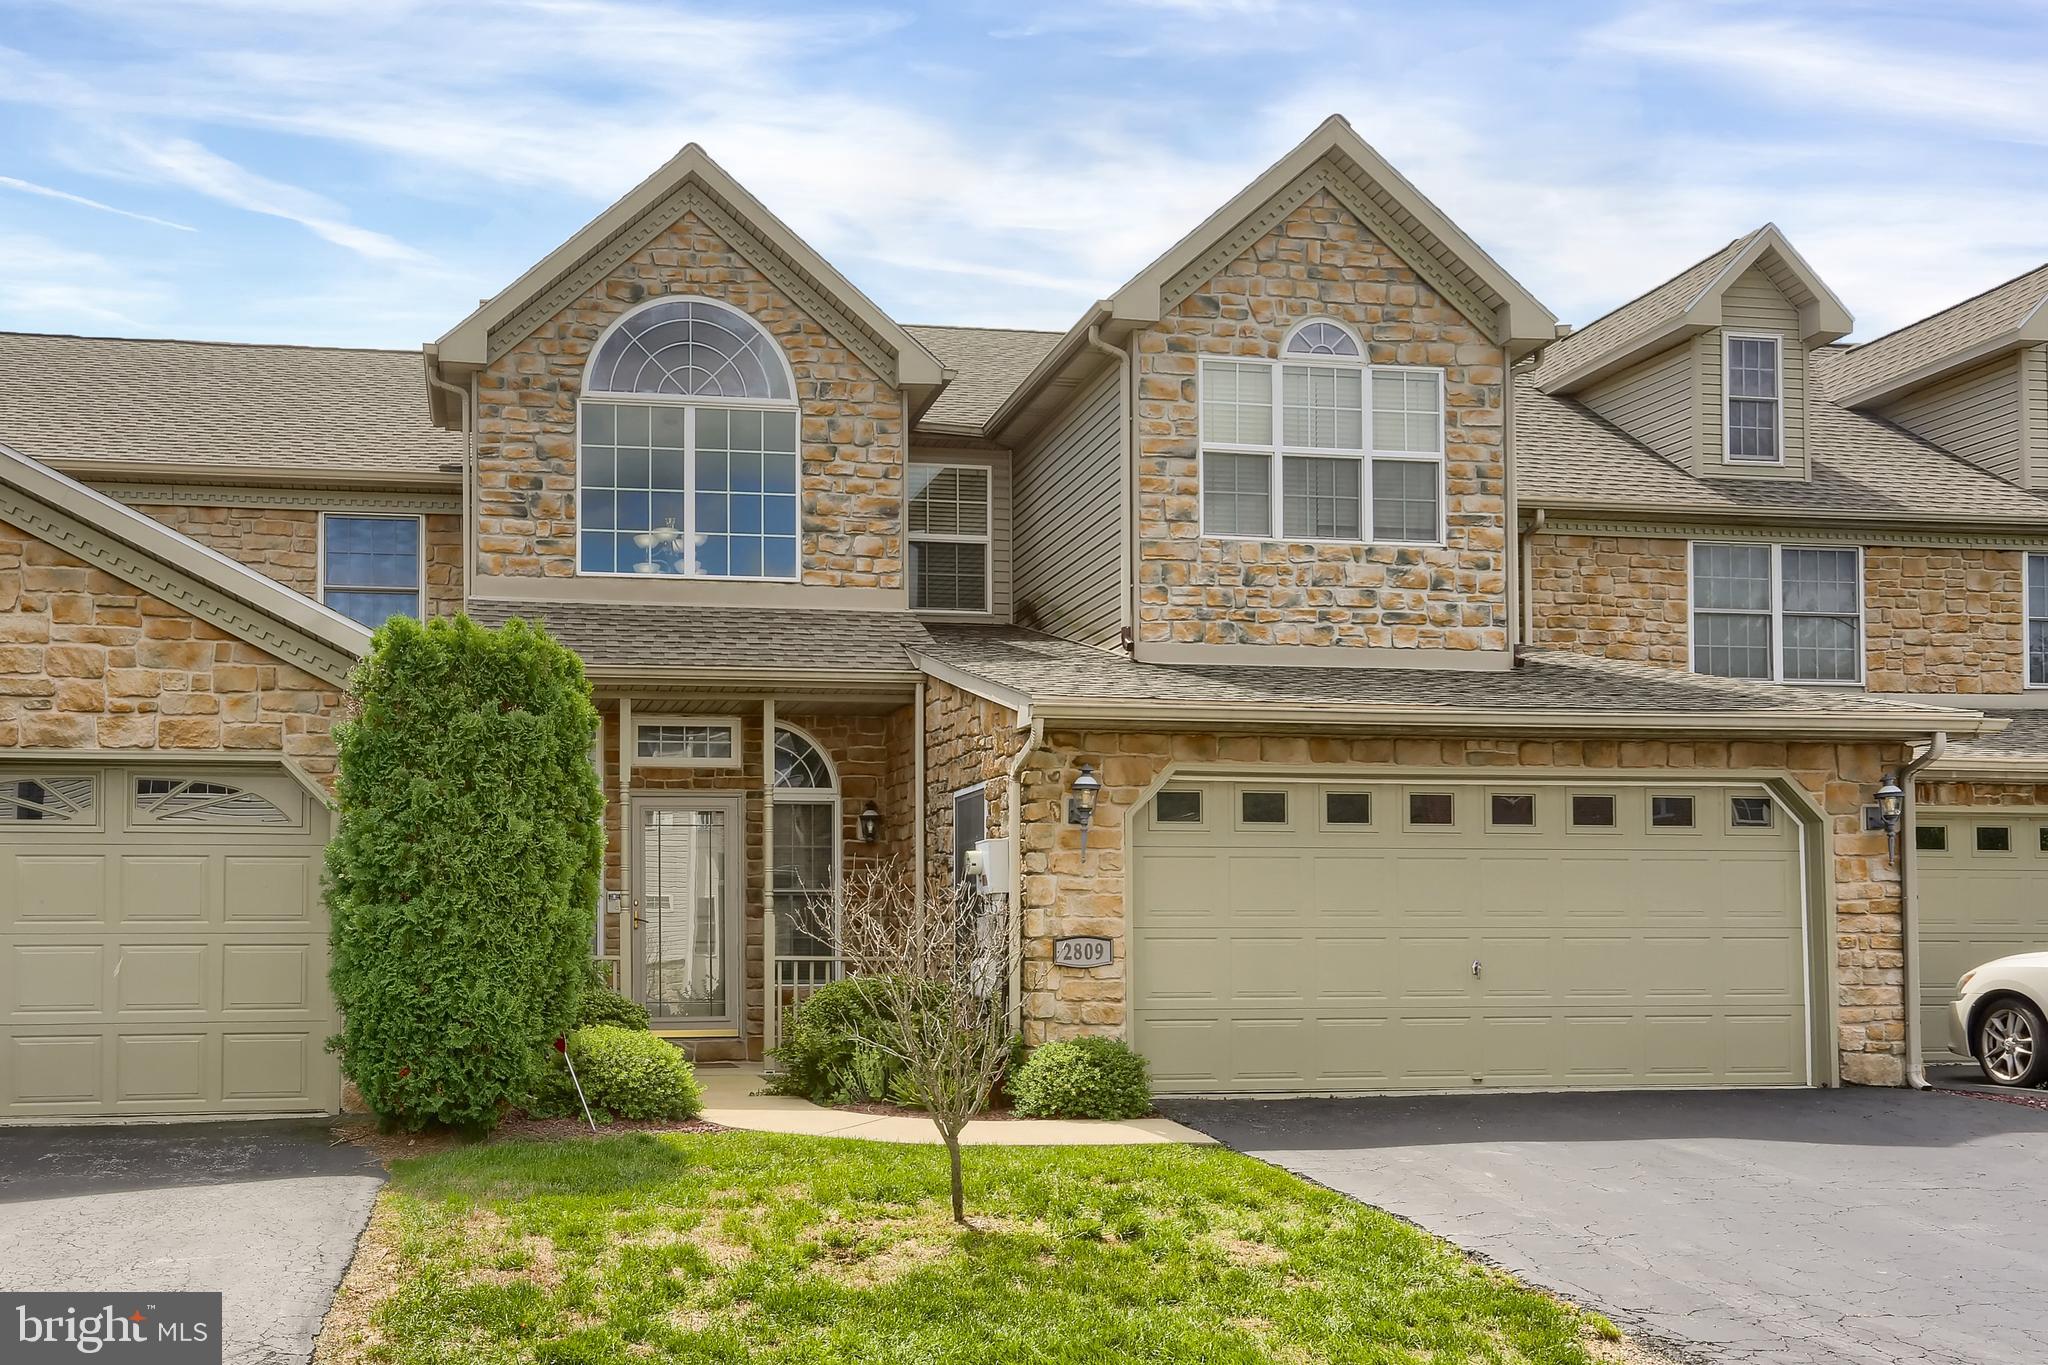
1353	454
687	448
1755	416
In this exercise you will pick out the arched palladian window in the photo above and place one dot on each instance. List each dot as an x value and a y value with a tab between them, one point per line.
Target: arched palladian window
1317	445
687	447
806	852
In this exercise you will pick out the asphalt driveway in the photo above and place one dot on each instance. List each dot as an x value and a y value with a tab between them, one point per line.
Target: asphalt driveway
268	1213
1789	1227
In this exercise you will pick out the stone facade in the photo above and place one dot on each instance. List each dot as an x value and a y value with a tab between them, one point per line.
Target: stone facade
1320	261
1958	792
968	739
1067	892
852	429
1937	619
1617	597
88	661
283	544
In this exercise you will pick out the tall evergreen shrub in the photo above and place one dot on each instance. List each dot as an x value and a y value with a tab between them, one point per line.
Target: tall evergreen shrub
462	878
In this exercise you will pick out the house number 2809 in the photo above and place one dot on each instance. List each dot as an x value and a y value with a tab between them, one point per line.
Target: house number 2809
1081	951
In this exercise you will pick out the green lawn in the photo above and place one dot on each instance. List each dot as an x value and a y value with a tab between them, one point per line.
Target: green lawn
749	1246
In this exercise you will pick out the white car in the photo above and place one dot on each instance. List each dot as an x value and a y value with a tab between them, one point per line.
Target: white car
2002	1018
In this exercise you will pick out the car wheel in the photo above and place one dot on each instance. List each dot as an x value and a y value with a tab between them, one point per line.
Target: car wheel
2012	1042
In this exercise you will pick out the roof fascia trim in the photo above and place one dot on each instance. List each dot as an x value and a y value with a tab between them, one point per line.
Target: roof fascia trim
1578	517
470	343
1520	321
1823	320
165	564
2030	333
1018	701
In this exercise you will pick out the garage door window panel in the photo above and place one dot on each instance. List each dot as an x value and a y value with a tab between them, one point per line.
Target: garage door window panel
1672	814
1511	812
1178	809
1436	811
1595	812
1994	838
1347	810
1934	838
1751	813
52	799
1263	809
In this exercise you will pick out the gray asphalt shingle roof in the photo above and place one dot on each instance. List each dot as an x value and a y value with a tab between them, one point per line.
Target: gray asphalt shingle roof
1863	467
220	408
1952	331
1046	668
2025	737
992	362
618	636
1641	315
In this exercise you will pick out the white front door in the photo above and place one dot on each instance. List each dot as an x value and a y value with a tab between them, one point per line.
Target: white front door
689	880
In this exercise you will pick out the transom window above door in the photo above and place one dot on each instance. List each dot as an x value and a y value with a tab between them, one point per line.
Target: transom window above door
1319	446
687	448
1777	613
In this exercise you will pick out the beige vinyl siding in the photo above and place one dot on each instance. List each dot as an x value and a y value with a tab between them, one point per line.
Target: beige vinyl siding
1975	415
1753	305
999	519
1653	402
2034	416
1069	522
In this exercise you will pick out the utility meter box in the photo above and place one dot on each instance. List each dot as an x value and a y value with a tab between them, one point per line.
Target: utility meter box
988	864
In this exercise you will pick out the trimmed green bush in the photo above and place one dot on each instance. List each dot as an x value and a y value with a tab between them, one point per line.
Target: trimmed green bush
1082	1078
603	1005
821	1056
634	1074
462	875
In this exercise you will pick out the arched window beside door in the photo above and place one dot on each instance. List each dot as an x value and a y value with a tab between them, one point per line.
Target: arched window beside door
806	859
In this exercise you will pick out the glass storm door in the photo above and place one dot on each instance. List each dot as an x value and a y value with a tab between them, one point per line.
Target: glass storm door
687	885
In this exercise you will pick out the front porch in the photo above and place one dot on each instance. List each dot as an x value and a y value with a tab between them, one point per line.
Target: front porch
729	817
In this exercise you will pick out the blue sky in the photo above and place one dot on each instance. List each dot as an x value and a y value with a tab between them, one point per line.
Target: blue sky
361	172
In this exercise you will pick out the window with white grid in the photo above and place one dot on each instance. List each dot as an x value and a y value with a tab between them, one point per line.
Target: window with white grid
1778	613
949	523
2037	620
1317	446
1754	417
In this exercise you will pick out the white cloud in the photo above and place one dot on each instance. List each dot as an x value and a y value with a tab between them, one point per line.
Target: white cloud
52	287
180	161
46	192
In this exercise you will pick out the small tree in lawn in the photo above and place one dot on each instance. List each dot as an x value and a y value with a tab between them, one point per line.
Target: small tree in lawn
463	875
935	978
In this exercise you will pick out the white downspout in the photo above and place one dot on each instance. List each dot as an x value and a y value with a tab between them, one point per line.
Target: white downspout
1014	882
1127	418
1909	911
1527	555
464	398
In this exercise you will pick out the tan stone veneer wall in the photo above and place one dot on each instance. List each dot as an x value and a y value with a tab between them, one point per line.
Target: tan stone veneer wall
1986	795
852	430
968	739
283	544
1320	261
1067	893
88	661
1937	619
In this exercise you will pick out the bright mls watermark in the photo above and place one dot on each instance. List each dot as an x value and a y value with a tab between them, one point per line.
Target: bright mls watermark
165	1329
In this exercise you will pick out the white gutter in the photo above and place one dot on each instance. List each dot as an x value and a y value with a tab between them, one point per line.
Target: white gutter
1126	480
1909	911
1034	736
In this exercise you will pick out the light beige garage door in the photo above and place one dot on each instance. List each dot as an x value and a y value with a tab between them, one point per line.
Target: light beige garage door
164	942
1983	894
1330	939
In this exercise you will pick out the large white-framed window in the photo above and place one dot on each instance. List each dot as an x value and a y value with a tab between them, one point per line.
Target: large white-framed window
1778	613
949	520
1753	400
1318	446
2037	620
688	461
686	741
372	567
807	854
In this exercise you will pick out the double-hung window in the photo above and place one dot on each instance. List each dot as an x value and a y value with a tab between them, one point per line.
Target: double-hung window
1780	613
1319	446
949	530
2037	620
370	566
1755	415
687	448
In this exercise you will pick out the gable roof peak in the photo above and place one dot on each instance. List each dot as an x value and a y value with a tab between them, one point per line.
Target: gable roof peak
1689	303
1398	213
689	181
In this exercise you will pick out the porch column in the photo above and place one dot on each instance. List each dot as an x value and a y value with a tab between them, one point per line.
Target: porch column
771	987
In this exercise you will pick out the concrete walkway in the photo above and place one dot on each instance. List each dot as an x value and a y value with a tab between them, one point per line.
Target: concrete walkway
732	1100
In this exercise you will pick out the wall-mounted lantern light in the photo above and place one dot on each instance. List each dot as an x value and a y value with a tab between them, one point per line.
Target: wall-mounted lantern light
1081	799
1891	805
870	823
